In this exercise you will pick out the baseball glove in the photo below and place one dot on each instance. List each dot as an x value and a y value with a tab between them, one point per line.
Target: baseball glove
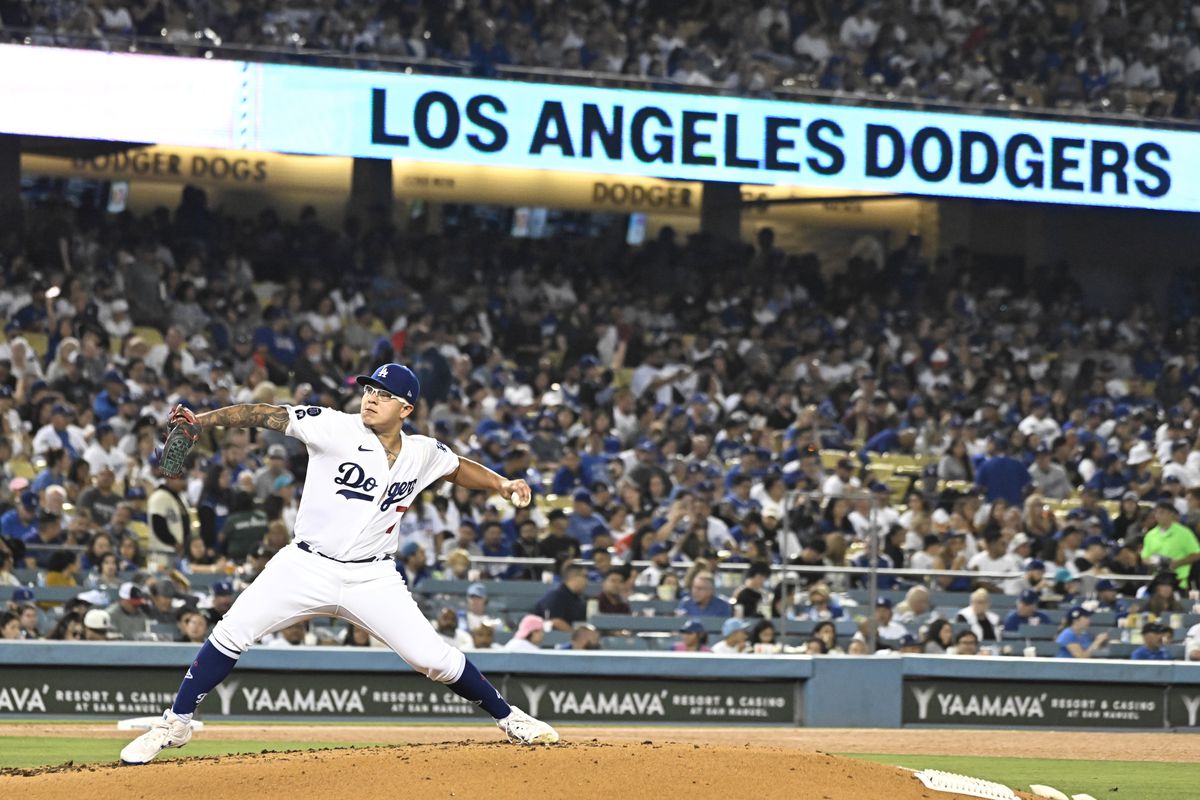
180	438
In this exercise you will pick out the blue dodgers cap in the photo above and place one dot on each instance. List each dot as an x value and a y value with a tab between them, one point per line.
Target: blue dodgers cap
1077	612
733	625
395	378
477	590
1105	585
1093	541
409	550
582	496
656	548
223	588
1029	597
692	626
883	602
1035	564
22	594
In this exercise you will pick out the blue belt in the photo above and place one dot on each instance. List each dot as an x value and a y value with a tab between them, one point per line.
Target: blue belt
304	546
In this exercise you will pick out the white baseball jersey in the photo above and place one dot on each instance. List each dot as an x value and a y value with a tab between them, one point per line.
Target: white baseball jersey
353	502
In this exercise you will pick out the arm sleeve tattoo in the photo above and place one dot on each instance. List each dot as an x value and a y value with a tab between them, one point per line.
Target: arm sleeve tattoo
246	415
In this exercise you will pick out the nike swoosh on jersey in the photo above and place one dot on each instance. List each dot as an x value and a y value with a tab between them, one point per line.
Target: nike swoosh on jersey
362	449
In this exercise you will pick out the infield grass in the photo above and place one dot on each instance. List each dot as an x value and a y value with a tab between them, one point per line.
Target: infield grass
49	751
1126	780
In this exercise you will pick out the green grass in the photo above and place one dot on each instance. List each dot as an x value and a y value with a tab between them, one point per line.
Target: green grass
44	751
1114	780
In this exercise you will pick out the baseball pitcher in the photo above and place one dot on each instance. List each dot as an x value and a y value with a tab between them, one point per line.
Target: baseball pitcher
362	474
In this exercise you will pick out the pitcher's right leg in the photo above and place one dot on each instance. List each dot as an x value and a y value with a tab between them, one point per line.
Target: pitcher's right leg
293	586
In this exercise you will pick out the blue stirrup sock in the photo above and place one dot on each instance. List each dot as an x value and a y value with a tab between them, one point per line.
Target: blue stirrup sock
476	688
210	668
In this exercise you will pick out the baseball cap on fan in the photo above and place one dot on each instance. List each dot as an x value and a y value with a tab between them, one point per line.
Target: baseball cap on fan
395	378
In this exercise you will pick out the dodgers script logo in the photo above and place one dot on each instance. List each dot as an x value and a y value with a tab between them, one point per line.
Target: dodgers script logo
353	476
397	492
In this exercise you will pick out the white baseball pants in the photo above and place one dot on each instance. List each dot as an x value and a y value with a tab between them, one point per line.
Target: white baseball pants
296	586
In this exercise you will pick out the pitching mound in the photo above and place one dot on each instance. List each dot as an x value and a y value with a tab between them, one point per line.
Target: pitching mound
494	771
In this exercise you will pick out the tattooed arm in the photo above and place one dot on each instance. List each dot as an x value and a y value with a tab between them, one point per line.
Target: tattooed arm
246	415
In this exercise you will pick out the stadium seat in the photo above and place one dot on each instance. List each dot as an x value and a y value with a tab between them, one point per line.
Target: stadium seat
151	336
830	458
623	643
40	343
22	469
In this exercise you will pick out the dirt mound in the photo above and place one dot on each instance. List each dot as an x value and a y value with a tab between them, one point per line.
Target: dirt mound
627	771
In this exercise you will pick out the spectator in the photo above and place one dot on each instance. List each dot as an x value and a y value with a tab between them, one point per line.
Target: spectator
161	607
827	633
31	621
1162	595
269	473
1049	478
19	522
939	637
98	626
193	627
10	626
583	637
886	628
702	600
476	611
7	578
750	595
612	598
994	558
764	639
42	542
530	633
966	643
446	624
127	615
1002	476
984	622
294	635
1034	578
412	565
1169	544
68	629
1075	641
660	561
170	518
218	603
821	605
564	604
483	637
1152	648
62	568
1107	599
1026	613
359	637
694	638
734	636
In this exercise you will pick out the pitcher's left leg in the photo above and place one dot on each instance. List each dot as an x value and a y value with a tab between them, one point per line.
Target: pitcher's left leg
384	607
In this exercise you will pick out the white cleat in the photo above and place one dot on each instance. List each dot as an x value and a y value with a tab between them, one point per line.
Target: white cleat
170	731
520	728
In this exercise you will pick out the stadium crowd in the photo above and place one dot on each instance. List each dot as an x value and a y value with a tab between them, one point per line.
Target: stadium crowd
1134	58
663	411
